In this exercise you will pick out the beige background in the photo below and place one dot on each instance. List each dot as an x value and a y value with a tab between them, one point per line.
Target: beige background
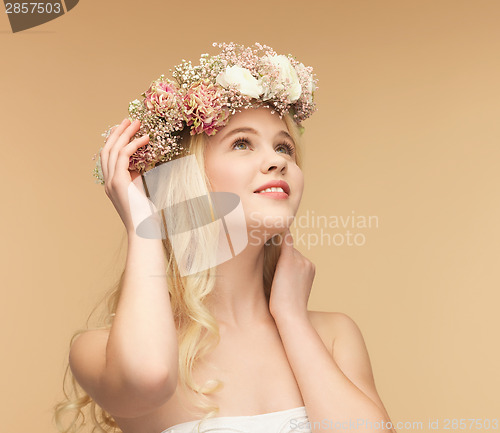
407	130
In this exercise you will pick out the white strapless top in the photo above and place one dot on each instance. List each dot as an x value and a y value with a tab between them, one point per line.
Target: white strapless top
283	421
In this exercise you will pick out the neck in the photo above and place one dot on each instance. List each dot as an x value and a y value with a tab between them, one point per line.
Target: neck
238	299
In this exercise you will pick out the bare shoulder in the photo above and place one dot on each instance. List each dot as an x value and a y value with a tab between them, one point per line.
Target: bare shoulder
87	340
348	348
107	383
328	324
90	334
346	342
86	357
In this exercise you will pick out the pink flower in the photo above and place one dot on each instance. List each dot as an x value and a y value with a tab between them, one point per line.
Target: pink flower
162	96
204	108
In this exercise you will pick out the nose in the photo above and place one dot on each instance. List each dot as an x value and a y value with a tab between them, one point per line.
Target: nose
272	161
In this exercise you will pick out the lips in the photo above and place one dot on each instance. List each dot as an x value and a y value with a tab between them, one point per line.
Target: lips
275	184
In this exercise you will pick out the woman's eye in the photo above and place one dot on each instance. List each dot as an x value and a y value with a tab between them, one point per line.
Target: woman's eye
239	143
287	148
243	144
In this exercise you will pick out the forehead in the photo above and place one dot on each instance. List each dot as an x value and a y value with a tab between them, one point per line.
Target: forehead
260	118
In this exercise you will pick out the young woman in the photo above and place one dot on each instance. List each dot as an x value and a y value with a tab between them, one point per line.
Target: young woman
229	341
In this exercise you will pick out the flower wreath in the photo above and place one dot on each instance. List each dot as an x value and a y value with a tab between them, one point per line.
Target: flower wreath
203	98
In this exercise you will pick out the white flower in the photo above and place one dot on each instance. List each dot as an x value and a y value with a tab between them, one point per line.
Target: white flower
287	76
310	87
242	79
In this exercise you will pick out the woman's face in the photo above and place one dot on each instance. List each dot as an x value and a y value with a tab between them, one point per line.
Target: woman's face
253	149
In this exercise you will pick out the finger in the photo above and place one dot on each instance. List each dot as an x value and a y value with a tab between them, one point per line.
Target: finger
117	130
122	141
123	161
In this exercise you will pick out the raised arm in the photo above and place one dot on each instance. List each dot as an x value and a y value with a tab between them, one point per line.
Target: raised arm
131	369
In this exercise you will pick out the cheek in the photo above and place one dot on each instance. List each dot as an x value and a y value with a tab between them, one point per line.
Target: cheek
298	178
224	177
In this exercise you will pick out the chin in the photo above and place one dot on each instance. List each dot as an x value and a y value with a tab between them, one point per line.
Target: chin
257	238
276	221
263	226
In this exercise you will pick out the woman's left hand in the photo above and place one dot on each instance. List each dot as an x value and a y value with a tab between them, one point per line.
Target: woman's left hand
292	281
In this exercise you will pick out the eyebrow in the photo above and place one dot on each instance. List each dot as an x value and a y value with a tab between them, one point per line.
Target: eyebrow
253	131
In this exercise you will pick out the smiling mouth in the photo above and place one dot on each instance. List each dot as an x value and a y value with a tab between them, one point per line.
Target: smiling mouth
274	192
272	189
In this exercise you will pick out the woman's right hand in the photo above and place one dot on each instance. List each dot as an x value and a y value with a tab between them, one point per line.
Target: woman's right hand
115	168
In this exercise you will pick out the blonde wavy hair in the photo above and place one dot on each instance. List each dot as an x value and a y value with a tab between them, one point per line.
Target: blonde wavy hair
198	331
